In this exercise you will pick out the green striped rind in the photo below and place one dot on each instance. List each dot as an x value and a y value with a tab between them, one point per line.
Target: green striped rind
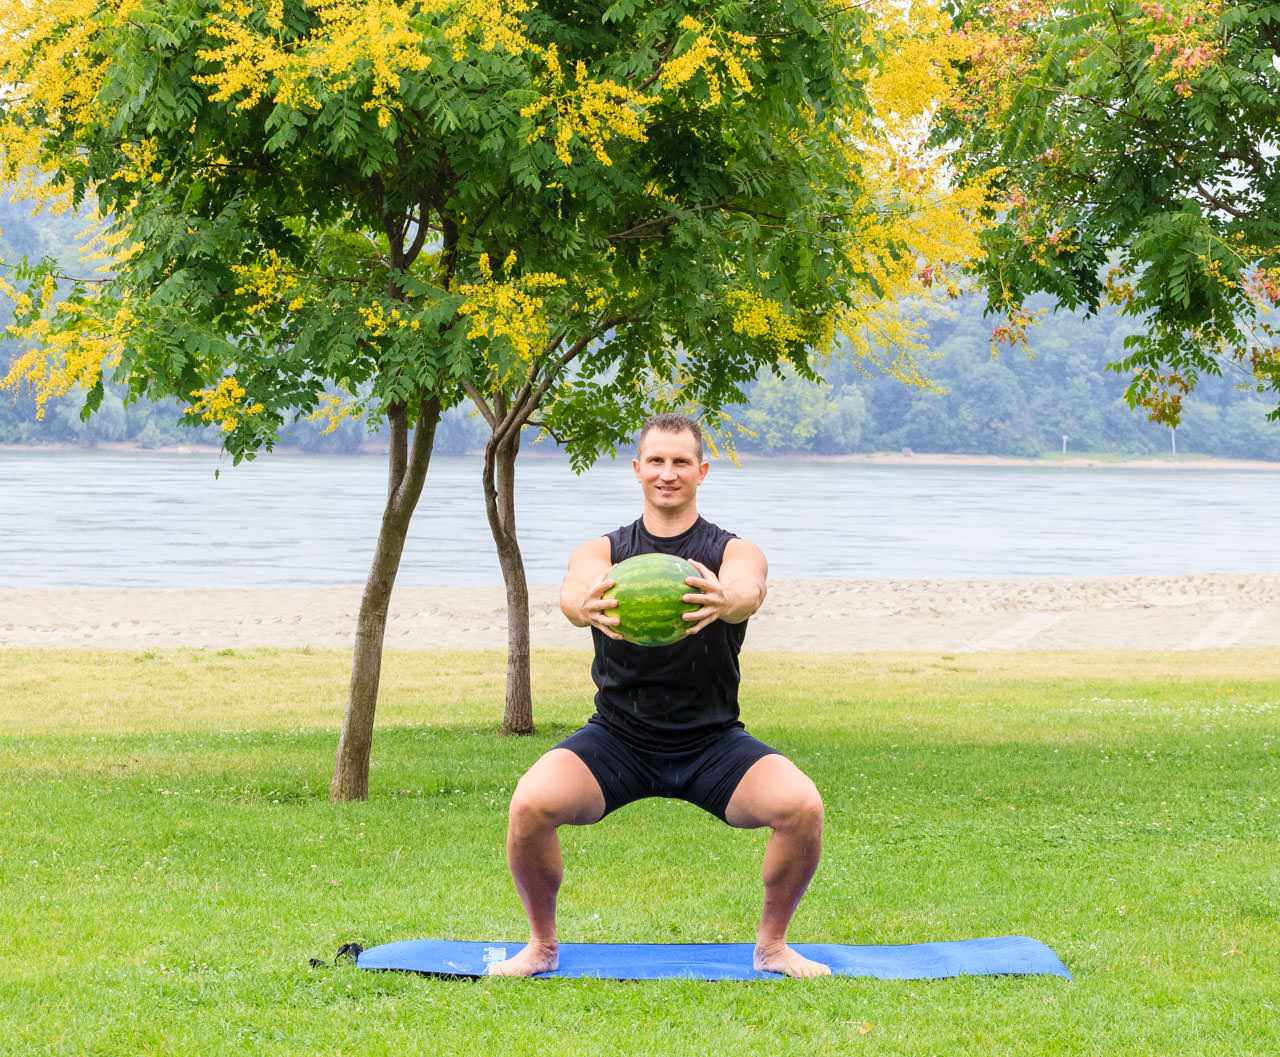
648	589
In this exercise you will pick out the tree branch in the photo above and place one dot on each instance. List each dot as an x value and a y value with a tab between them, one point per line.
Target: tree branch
644	228
534	399
515	413
448	250
482	405
420	237
508	417
663	56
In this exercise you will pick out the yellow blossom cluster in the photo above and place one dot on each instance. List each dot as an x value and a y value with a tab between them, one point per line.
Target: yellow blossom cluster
593	111
140	162
594	300
914	74
492	25
52	65
333	409
509	312
715	53
71	345
886	326
597	111
908	184
381	40
67	335
375	319
907	193
223	404
268	281
762	317
378	320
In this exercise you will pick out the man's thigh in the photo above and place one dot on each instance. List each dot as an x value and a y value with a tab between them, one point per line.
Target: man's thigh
773	790
562	788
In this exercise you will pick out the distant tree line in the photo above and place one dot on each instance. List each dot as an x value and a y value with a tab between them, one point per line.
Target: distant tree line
1021	402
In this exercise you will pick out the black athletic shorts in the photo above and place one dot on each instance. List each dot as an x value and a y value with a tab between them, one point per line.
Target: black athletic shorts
706	777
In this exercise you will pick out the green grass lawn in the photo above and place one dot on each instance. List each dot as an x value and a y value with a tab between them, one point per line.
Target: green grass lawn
169	861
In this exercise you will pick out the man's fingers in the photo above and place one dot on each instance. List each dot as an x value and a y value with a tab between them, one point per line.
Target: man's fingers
604	620
599	615
700	624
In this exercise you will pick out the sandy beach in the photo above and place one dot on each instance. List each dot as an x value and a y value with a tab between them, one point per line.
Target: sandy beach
1141	612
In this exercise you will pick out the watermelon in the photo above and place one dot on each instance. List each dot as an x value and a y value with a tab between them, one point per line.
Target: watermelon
648	589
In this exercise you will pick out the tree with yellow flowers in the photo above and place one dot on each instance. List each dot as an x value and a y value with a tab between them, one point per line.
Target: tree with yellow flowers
570	212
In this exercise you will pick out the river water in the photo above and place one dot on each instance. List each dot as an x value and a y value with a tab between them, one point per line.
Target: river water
149	519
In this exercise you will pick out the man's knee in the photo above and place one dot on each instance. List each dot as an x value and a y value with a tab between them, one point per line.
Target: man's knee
777	794
529	809
804	810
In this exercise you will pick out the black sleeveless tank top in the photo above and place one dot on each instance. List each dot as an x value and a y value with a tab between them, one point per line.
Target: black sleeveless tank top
673	698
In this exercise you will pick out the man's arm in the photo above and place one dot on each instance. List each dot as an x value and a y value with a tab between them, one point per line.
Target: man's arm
735	593
585	581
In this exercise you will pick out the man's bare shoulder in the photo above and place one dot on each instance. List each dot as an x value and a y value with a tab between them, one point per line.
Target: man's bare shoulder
590	561
743	554
594	548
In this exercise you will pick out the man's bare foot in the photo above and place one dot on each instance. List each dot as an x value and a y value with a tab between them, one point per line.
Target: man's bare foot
533	959
782	959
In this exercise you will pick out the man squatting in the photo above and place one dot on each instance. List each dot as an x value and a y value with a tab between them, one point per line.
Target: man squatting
666	720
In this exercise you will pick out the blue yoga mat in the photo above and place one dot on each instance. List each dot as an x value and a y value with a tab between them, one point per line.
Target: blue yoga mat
1003	955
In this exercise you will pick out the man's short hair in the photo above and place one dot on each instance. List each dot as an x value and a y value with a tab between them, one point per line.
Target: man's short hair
672	422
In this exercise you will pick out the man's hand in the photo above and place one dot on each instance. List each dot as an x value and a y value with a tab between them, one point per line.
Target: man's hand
732	596
596	610
585	582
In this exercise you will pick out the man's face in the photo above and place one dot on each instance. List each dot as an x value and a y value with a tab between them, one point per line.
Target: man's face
668	470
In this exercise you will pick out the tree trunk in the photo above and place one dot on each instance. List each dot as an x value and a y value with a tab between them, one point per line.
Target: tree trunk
499	500
506	415
407	472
